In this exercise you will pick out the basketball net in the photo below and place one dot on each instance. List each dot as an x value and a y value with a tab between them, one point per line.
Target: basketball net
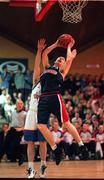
72	10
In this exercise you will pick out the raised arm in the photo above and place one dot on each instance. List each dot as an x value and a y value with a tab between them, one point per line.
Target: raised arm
69	59
41	45
45	60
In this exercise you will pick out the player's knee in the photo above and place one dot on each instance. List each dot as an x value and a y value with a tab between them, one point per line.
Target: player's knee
30	143
41	126
66	124
42	143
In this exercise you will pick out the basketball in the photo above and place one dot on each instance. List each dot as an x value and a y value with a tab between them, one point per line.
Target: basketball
65	39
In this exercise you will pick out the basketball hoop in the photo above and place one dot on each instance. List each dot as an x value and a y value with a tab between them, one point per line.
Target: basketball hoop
72	10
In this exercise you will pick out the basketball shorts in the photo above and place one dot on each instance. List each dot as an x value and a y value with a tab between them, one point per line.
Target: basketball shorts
52	104
33	135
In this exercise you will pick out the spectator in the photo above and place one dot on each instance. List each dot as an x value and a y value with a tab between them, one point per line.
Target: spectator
97	109
12	87
57	133
20	96
88	140
76	119
18	119
95	124
70	146
87	118
19	80
5	79
66	96
2	101
69	108
8	108
100	142
7	137
14	97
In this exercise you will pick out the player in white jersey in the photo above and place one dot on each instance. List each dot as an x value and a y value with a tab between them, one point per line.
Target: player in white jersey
32	112
31	134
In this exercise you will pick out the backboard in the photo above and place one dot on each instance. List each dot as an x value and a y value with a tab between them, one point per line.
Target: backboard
72	9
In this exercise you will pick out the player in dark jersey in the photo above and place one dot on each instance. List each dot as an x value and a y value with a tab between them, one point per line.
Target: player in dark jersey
51	100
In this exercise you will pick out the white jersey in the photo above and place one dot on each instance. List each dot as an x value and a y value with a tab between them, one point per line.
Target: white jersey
31	118
34	101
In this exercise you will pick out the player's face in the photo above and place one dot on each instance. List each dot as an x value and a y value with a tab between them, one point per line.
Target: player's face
60	61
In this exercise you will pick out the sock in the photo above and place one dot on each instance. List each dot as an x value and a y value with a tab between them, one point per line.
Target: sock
31	165
54	147
43	162
80	143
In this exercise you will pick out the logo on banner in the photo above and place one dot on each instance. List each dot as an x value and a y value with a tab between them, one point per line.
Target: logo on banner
12	66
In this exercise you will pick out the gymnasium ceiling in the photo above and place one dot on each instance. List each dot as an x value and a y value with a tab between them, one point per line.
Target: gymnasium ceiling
18	24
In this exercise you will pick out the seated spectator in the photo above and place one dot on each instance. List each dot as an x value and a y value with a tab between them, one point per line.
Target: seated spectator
97	110
3	97
20	96
14	97
17	122
8	108
78	127
76	97
2	100
95	124
87	119
7	139
69	107
66	96
76	119
89	90
57	134
100	142
88	140
70	146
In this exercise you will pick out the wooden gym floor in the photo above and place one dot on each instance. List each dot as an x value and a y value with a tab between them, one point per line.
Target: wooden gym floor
93	169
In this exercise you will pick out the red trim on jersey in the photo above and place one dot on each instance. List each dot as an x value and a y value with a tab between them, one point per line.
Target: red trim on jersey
64	113
49	93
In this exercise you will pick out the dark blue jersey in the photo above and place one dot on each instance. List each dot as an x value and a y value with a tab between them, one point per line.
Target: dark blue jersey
51	80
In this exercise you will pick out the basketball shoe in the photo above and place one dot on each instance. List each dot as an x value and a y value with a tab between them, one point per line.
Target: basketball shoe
31	173
42	171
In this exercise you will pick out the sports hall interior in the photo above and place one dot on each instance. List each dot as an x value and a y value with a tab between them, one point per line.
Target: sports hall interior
19	34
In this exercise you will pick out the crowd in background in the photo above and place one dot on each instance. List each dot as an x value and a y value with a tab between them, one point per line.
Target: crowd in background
84	99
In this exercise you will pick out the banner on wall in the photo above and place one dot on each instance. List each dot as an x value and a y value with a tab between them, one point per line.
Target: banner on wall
13	64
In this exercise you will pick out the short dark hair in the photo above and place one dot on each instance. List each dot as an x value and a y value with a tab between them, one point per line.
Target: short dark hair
5	124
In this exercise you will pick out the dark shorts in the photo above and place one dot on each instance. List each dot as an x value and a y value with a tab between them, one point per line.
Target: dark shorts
52	104
33	135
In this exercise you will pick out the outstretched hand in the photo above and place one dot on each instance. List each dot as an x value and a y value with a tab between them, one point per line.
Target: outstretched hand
58	44
41	44
71	54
